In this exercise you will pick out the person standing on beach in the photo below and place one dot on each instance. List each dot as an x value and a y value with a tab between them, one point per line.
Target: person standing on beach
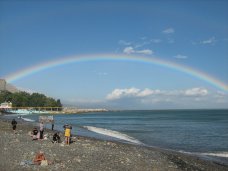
41	130
14	125
52	125
67	134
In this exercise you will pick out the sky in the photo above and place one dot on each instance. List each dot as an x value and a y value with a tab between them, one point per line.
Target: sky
179	33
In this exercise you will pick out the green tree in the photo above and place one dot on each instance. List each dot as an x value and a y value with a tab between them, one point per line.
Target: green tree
59	104
37	100
5	96
24	99
20	99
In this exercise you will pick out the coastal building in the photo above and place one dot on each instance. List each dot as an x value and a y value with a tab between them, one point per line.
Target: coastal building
6	105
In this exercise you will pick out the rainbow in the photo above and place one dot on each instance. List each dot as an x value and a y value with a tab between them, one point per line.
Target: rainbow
115	57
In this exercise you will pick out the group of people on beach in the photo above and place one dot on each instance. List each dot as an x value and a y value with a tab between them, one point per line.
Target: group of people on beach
39	134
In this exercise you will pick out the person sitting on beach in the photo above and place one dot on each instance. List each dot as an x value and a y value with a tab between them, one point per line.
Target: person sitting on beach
67	133
38	158
14	125
34	134
56	138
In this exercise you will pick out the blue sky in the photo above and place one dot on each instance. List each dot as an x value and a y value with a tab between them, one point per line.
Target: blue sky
189	33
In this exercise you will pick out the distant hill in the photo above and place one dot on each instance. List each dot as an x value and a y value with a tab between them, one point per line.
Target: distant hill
6	86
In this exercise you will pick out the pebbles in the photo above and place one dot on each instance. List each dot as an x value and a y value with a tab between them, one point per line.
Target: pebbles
89	154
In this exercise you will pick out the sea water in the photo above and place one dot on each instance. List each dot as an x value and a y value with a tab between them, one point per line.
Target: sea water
200	132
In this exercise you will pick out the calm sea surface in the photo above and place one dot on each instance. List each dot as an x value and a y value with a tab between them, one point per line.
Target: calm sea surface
195	131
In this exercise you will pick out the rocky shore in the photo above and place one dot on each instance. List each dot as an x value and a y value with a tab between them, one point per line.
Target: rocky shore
17	152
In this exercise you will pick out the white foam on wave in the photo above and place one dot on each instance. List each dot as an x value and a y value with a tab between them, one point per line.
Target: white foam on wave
112	133
219	154
17	115
27	119
215	154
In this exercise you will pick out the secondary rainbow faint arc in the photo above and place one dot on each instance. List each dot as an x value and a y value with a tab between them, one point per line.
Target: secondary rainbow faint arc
114	57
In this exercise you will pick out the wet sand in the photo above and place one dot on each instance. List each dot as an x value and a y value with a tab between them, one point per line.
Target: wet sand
18	151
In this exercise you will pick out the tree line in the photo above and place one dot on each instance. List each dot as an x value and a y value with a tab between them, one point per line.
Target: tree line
24	99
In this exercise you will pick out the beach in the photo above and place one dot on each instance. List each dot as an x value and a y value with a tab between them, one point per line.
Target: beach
18	151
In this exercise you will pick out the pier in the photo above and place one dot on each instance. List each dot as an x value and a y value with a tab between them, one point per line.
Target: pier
54	110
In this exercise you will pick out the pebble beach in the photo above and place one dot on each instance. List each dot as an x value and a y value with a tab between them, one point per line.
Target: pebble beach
18	152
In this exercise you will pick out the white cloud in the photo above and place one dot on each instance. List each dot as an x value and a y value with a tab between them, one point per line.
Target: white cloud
180	56
131	50
168	31
145	51
196	92
135	98
120	93
138	45
125	43
132	92
211	40
148	92
128	50
160	95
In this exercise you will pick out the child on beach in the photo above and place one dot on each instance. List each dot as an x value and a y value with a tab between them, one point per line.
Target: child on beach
34	134
14	125
56	138
67	134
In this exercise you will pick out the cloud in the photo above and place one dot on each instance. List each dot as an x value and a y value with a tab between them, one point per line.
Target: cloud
137	93
132	93
180	56
148	92
196	92
192	98
121	93
145	51
128	50
125	43
211	40
131	50
168	31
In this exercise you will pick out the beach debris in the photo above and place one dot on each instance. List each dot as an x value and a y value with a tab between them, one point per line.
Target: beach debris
44	163
26	162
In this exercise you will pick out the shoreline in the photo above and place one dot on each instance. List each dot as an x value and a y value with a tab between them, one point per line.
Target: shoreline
87	153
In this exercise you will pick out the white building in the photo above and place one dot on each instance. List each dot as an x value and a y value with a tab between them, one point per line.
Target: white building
6	105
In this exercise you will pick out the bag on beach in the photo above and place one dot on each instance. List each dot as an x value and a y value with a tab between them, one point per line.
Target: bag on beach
44	163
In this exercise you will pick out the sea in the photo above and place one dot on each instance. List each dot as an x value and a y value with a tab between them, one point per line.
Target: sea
198	132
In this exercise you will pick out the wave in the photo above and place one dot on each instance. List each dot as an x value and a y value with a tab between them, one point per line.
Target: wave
218	154
17	115
213	154
114	134
27	119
